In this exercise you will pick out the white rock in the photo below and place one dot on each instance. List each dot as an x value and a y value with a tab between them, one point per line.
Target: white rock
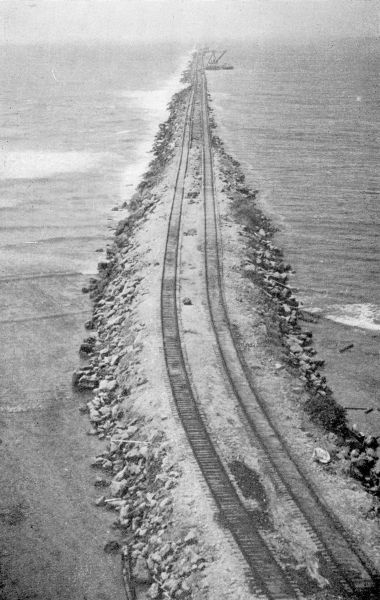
115	321
322	456
117	488
191	537
107	385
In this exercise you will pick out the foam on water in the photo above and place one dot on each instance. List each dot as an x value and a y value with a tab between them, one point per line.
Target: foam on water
156	101
39	165
155	108
364	316
153	101
8	202
289	114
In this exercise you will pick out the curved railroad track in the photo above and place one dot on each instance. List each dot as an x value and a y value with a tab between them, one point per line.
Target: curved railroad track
348	571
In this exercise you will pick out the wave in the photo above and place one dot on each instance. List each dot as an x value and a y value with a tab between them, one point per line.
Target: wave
155	101
155	105
152	101
364	316
56	240
33	164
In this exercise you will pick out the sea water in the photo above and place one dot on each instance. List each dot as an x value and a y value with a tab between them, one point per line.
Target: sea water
77	124
304	122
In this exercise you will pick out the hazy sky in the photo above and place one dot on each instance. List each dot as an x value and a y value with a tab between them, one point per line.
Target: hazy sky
24	21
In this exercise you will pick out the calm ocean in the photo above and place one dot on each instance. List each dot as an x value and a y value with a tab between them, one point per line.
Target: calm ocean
304	123
76	127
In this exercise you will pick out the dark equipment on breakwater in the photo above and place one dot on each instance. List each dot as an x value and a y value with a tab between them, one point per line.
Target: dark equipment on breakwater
214	64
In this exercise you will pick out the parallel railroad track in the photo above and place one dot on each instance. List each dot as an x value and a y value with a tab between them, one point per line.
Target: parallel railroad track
348	571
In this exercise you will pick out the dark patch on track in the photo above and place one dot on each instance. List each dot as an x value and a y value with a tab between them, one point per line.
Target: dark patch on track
250	485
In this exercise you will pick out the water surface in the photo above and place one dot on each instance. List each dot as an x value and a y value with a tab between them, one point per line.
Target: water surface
304	122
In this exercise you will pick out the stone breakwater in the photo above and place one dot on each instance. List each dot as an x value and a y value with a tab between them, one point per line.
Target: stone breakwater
136	474
263	263
140	477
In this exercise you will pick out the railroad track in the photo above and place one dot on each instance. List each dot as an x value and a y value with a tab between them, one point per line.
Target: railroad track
348	571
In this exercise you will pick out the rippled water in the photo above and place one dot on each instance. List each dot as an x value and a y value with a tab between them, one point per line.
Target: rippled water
76	127
304	123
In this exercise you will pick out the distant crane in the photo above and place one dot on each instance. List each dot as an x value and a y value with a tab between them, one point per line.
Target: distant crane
213	60
214	64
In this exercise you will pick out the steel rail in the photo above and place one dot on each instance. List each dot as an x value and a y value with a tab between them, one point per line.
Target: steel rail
348	569
268	576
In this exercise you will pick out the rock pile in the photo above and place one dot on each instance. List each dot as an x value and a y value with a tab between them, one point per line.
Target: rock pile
136	485
361	460
136	476
264	265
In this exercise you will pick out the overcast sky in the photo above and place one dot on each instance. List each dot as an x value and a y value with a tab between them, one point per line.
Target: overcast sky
25	21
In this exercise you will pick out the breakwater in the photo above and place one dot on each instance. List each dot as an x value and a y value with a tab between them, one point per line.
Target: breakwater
142	480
